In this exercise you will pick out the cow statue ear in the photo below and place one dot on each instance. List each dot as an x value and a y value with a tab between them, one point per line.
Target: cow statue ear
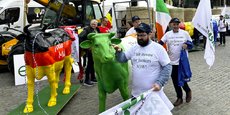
111	34
90	36
115	41
86	44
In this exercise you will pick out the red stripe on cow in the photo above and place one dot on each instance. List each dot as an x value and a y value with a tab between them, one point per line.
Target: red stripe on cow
54	54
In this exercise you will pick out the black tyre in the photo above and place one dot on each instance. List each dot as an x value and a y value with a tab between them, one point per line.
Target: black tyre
16	49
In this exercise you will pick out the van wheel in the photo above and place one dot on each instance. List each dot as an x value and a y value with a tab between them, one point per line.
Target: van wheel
16	49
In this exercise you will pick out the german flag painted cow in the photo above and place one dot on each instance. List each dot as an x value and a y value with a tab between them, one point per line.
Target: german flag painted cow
46	54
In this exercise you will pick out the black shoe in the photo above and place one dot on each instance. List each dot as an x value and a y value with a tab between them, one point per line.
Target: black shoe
188	96
178	102
89	83
94	80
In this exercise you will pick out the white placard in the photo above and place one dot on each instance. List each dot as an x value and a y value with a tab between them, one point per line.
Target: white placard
20	70
75	67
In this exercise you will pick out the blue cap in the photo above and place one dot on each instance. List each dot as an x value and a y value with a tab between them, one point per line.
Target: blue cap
143	27
134	18
175	20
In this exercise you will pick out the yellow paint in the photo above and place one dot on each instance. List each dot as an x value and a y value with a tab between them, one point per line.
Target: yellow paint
53	73
6	47
68	10
3	62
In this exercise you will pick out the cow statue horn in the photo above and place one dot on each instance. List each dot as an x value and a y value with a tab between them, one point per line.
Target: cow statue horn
111	35
91	35
44	28
26	29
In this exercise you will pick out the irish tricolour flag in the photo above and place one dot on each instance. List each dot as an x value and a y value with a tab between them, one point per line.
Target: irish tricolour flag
162	18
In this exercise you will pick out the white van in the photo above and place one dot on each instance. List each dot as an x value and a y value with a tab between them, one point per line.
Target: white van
12	14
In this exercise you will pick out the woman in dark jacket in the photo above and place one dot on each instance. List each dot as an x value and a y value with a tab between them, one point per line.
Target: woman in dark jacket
93	28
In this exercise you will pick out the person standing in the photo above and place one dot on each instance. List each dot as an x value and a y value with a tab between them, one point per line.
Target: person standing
135	21
215	30
89	73
222	29
176	41
103	28
151	66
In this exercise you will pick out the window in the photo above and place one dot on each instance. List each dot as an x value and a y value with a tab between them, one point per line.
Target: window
49	18
97	11
9	15
89	13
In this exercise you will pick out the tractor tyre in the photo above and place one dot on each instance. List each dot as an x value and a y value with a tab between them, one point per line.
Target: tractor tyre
16	49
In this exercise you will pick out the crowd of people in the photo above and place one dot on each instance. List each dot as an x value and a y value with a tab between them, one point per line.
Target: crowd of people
152	64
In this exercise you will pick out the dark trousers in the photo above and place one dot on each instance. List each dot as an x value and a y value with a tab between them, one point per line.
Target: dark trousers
89	68
222	37
178	88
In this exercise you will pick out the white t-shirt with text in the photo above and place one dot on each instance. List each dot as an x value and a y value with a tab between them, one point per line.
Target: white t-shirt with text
147	63
174	43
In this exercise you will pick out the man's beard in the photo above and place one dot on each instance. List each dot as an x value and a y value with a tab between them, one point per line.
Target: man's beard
142	43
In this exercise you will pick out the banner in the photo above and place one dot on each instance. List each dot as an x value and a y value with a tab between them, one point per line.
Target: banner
148	103
20	70
75	53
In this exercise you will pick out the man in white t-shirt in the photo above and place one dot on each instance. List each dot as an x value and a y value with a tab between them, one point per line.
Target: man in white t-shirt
176	40
222	29
135	21
151	66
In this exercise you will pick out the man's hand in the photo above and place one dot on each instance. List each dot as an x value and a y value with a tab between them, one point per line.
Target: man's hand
117	47
184	46
156	87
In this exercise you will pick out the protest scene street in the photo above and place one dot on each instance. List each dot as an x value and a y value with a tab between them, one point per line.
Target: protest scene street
123	57
210	90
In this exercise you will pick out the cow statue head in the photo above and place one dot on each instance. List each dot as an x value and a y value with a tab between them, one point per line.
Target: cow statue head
101	46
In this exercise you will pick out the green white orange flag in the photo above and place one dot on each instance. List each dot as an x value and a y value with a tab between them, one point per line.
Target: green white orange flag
162	18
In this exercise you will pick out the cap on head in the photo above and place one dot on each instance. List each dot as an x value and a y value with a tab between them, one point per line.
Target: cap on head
143	27
134	18
174	20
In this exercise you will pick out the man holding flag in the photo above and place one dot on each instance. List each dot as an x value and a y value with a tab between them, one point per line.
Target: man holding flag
202	22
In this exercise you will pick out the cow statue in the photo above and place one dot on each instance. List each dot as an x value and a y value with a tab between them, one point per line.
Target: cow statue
45	55
110	74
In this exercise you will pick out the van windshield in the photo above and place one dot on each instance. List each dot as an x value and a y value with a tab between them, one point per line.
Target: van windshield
75	12
49	18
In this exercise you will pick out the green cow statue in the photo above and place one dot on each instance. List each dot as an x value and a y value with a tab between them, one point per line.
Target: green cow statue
111	75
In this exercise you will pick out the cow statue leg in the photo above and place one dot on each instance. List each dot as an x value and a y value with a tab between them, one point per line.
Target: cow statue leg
53	85
30	87
123	88
68	68
102	97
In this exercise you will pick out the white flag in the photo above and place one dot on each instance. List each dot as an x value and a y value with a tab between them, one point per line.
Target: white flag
202	22
223	11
